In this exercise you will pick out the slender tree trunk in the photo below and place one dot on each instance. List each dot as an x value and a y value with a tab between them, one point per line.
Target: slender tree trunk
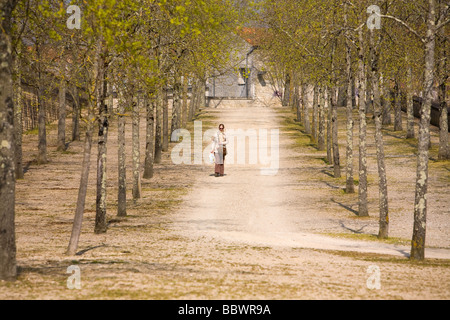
350	186
18	126
321	136
149	138
329	129
202	95
444	148
410	105
100	217
334	129
61	145
122	168
76	115
306	123
314	113
158	143
8	268
165	127
81	200
286	93
176	104
387	100
420	203
42	134
398	126
136	151
297	102
185	102
363	210
334	117
383	192
193	101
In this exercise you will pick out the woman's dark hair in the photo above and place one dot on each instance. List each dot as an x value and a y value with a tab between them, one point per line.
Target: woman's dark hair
221	125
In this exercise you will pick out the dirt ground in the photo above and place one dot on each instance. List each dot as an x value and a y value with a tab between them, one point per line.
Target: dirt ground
293	234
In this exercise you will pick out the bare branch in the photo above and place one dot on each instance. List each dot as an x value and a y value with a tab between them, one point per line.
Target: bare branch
403	23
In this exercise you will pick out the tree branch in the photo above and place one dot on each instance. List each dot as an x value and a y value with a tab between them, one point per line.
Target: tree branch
405	25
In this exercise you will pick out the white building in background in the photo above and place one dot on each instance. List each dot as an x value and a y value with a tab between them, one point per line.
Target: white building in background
245	78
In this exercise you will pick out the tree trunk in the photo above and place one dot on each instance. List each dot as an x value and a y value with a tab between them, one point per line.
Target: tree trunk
350	186
8	268
444	148
314	113
286	93
420	203
61	144
383	194
42	134
387	100
334	129
176	106
363	210
202	96
81	200
18	126
321	136
306	123
159	106
297	102
334	116
329	129
165	127
398	126
193	101
122	168
76	115
149	138
136	154
410	106
100	217
185	102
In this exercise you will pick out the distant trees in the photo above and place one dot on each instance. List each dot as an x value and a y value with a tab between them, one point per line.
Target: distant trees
377	47
138	51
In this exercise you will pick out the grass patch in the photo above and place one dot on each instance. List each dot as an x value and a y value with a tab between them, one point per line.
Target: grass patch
369	237
382	258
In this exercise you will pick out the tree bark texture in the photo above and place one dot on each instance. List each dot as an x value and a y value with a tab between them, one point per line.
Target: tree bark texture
61	144
321	134
122	168
158	128
314	113
350	186
103	123
383	191
136	154
8	268
149	138
81	200
420	202
362	187
410	132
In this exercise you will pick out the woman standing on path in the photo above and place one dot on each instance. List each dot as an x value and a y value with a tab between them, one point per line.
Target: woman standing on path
219	150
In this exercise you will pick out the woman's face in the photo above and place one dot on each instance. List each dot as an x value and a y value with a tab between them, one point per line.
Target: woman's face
221	128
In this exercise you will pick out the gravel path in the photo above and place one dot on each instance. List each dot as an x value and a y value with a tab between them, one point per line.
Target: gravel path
280	210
